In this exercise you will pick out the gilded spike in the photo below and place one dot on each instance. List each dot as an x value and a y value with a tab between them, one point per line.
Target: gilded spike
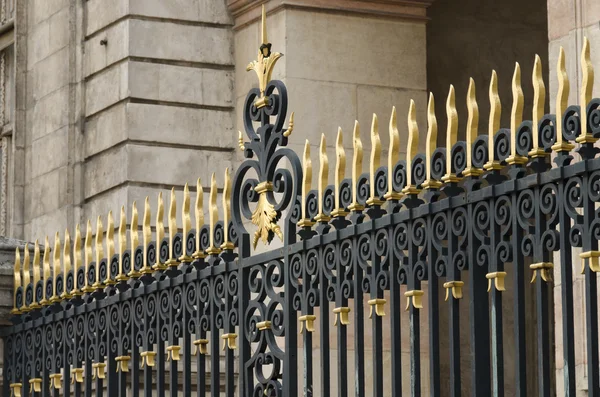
472	127
227	245
290	128
135	239
110	246
122	242
214	216
562	98
36	272
411	148
26	277
451	135
340	168
46	270
356	168
17	278
77	252
55	268
241	144
172	230
432	132
147	236
186	220
587	84
539	99
99	252
306	184
88	256
375	162
393	157
516	117
199	217
323	177
66	264
160	231
494	122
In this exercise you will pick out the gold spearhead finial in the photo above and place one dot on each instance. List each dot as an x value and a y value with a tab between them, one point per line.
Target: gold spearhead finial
356	167
77	256
110	246
122	242
306	185
36	273
472	129
99	251
241	144
432	132
562	99
17	280
494	122
160	231
172	229
135	238
199	218
213	216
55	268
88	255
26	278
340	169
186	221
516	117
587	84
147	237
539	99
67	265
375	162
323	178
393	156
46	270
451	135
411	148
228	245
290	128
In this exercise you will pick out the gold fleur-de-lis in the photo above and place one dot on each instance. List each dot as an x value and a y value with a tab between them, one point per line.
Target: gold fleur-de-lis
186	220
55	269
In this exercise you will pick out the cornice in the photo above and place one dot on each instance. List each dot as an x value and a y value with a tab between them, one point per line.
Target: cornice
246	12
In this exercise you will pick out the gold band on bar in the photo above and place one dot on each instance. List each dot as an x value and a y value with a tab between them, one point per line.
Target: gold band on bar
307	322
379	305
456	287
55	381
35	385
123	363
341	313
229	341
498	278
201	346
594	262
148	358
173	353
15	389
263	325
545	270
77	375
417	298
99	371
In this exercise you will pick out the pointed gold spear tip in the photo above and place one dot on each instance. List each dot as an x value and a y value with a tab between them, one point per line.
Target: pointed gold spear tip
412	147
432	132
17	282
227	245
213	216
494	122
66	264
340	169
323	179
55	268
539	100
562	99
472	129
451	135
587	85
264	37
516	117
393	156
306	184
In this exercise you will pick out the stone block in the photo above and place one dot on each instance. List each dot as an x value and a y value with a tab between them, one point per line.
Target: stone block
59	29
561	18
185	126
100	205
105	129
105	170
50	113
48	224
370	61
96	56
106	88
40	10
51	73
591	12
101	13
49	152
39	43
44	191
191	10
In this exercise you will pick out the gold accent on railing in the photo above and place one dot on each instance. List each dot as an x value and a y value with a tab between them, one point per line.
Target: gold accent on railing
146	236
498	278
341	313
340	170
56	267
494	123
186	220
67	266
539	100
213	212
17	282
148	358
199	218
172	261
431	144
562	102
135	240
306	185
594	261
99	253
46	271
160	232
264	64
77	253
26	279
77	375
264	216
307	321
227	244
173	353
263	325
122	243
110	247
15	389
99	371
201	346
229	341
545	270
322	181
451	135
88	257
417	299
456	287
241	144
379	305
472	129
357	161
55	381
516	117
587	85
393	156
412	148
122	363
35	385
290	128
36	274
375	162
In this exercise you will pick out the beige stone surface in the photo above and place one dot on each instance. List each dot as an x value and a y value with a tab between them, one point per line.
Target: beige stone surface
50	152
107	88
51	73
96	137
97	56
50	113
105	171
101	13
193	10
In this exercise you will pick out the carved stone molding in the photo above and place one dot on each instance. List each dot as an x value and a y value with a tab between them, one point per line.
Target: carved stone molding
245	12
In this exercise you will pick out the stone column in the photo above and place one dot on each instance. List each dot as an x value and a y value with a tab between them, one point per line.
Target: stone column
343	61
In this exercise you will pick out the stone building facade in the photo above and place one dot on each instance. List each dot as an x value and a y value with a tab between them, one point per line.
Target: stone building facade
104	102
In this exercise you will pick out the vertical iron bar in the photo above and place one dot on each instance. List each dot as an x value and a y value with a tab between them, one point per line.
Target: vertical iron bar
186	349
135	354
518	262
47	356
160	350
89	344
376	320
434	319
342	331
66	378
99	332
149	319
395	314
496	307
215	370
359	326
229	358
453	274
324	329
113	380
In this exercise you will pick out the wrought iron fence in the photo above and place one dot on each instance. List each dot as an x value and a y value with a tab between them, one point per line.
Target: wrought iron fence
199	311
